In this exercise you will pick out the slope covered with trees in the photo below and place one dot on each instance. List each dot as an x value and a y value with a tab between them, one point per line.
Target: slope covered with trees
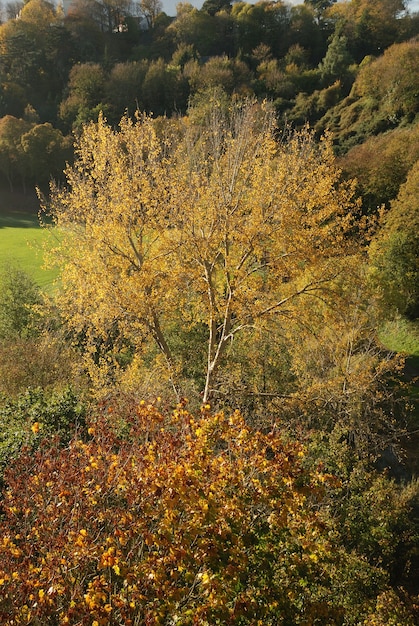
345	66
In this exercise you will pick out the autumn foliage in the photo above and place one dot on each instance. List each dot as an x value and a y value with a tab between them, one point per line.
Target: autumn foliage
168	519
218	221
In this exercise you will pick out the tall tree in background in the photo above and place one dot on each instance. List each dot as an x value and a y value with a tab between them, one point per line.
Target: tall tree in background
85	91
12	156
335	64
263	22
371	26
216	225
150	9
36	54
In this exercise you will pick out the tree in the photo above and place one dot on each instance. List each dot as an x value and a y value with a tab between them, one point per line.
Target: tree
262	23
384	95
336	62
215	6
86	88
47	151
12	157
110	13
36	53
150	9
164	88
306	31
344	386
210	222
35	152
391	81
83	22
231	75
381	165
370	26
124	88
197	28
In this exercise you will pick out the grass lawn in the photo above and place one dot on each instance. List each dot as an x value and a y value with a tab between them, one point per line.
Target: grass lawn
22	238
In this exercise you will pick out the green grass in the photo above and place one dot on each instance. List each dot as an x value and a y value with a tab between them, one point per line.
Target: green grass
21	244
401	335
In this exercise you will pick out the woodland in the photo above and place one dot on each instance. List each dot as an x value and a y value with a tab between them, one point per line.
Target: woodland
203	421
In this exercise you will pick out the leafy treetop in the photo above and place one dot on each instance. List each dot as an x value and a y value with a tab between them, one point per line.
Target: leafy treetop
214	221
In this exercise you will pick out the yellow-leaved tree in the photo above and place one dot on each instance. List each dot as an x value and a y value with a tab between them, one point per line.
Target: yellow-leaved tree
212	226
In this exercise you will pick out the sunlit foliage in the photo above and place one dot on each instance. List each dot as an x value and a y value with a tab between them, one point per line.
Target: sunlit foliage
165	519
384	96
213	221
381	165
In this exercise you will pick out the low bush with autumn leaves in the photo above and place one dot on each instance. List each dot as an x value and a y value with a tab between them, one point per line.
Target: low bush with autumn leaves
164	517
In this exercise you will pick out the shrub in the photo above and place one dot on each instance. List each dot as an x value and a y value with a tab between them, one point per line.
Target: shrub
45	361
18	296
394	252
174	519
37	414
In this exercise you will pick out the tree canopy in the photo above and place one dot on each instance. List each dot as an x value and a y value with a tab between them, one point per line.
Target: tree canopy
213	222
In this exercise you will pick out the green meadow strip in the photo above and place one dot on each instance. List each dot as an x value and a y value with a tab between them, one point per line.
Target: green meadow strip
21	244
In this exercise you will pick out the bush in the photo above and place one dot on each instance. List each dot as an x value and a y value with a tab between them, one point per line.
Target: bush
45	361
19	294
174	519
394	253
37	414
